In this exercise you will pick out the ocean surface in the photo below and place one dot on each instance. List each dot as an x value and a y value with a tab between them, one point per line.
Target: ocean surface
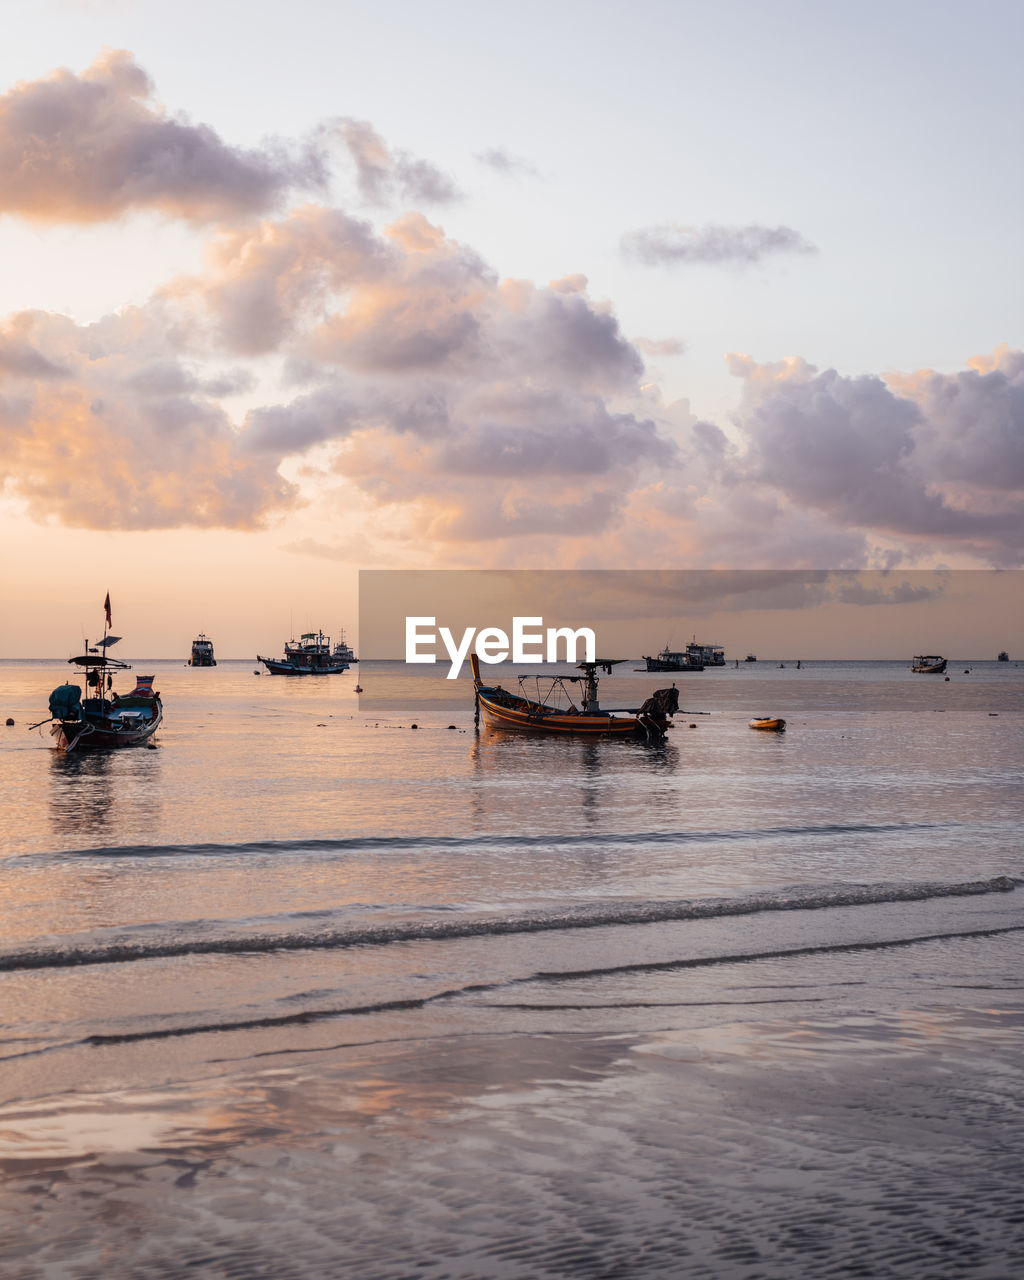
327	984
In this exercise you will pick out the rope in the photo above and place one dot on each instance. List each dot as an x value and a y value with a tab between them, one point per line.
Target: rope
86	728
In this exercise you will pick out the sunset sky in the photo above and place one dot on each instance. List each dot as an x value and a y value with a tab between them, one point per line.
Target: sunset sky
291	290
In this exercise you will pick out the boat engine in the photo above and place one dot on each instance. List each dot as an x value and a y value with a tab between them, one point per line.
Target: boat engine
66	702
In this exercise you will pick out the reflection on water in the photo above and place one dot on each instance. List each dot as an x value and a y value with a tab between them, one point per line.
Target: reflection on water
243	759
532	782
105	793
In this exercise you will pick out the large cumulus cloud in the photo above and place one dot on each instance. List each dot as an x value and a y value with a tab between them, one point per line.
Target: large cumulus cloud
892	457
486	408
472	411
972	435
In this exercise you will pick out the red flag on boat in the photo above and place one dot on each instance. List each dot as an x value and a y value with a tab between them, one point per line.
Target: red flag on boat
106	608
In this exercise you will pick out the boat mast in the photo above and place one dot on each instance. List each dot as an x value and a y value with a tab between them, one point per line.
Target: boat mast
103	648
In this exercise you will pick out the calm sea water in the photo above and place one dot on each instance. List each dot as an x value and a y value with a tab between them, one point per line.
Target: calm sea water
305	990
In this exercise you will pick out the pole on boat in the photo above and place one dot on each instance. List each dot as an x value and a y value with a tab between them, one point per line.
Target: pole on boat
474	663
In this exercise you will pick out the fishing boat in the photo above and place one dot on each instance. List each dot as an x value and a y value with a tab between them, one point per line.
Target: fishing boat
751	657
311	655
552	706
708	655
1003	656
673	660
103	719
774	724
928	664
343	650
202	652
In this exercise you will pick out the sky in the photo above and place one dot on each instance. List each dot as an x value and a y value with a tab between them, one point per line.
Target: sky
861	615
291	291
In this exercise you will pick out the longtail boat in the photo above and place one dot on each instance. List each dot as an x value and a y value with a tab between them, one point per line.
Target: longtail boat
553	706
104	718
930	664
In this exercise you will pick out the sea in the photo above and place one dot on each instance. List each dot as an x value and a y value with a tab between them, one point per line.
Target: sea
326	983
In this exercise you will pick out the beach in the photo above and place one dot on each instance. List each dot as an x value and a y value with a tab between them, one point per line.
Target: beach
305	992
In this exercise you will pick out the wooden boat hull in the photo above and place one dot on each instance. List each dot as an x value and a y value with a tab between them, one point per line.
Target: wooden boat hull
667	664
533	716
131	722
772	724
511	712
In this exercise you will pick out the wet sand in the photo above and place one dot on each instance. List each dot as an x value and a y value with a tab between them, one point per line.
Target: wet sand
852	1144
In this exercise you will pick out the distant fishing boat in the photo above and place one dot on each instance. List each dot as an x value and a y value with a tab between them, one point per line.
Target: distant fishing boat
202	652
310	656
928	664
343	651
1003	656
673	660
751	657
709	655
774	724
104	719
553	708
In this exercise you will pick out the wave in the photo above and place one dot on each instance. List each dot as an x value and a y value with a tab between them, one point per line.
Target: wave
210	849
601	915
413	1003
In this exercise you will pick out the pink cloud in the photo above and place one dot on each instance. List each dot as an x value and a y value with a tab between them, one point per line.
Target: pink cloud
91	147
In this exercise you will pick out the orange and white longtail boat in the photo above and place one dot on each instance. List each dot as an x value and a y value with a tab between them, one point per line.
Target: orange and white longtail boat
553	706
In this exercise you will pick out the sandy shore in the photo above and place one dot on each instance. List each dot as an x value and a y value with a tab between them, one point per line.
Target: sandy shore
833	1145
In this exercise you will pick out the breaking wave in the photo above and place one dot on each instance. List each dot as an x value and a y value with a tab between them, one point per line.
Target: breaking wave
198	938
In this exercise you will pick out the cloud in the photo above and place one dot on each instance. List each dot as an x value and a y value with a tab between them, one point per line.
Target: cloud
91	147
339	297
671	242
18	355
126	437
543	434
854	589
973	437
479	405
264	283
467	413
384	175
660	346
501	161
888	457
